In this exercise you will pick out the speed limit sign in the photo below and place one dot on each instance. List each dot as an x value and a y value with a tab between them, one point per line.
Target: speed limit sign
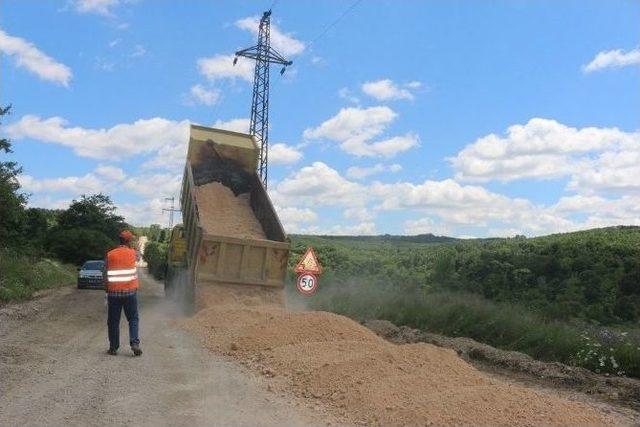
307	283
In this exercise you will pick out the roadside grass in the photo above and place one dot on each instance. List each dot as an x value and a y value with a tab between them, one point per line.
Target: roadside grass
22	276
502	325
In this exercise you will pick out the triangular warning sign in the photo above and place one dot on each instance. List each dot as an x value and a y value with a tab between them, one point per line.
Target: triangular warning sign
309	263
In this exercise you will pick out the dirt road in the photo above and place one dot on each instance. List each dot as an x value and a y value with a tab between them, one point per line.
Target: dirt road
55	371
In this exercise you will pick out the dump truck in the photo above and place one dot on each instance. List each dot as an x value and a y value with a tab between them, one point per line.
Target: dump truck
232	234
176	260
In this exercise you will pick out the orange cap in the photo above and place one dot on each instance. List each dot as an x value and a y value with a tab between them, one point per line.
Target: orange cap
126	235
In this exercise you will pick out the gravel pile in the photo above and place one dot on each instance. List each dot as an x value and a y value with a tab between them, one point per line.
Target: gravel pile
339	366
224	214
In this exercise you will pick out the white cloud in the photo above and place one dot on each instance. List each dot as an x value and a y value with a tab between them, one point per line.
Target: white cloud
446	194
100	7
600	211
221	67
111	181
146	212
296	215
283	154
385	148
138	51
353	124
30	57
236	125
355	127
345	93
205	96
284	43
466	205
48	202
108	180
111	173
359	173
73	185
359	213
615	170
296	220
613	59
317	184
361	229
427	225
540	149
169	157
153	185
387	90
118	142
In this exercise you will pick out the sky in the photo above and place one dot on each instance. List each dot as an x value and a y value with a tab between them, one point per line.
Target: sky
467	119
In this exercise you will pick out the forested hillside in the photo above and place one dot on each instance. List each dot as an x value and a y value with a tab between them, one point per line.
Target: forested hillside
592	275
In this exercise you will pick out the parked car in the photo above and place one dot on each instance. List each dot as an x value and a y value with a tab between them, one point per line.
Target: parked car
90	275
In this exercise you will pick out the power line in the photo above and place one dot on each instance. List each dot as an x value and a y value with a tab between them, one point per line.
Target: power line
335	22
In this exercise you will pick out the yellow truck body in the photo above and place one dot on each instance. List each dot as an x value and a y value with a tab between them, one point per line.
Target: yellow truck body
229	158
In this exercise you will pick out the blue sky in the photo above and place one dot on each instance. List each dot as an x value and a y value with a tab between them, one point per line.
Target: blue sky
459	118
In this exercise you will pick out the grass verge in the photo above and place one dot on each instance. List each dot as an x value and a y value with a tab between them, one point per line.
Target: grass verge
22	276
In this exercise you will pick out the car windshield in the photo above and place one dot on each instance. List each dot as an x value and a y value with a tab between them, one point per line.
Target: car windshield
93	265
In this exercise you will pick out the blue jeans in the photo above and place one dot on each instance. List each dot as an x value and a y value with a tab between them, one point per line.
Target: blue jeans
130	306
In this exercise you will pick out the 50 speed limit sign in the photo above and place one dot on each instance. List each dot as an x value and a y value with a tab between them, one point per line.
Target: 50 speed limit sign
307	283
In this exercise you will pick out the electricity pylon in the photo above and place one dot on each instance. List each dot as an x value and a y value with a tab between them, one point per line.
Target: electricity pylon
264	55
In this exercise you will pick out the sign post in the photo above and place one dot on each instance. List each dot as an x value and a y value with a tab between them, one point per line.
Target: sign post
308	270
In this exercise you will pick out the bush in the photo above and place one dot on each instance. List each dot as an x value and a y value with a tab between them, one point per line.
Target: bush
155	254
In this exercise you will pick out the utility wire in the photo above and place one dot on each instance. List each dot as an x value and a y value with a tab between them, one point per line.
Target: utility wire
335	22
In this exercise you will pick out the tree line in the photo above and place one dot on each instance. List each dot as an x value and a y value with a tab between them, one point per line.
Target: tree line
590	275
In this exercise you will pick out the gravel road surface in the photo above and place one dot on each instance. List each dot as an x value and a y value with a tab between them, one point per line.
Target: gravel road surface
54	370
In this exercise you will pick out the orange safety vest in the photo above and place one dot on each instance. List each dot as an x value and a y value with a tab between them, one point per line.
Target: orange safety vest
121	270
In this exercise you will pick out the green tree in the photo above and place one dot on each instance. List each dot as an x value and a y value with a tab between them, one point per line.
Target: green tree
154	232
38	225
86	230
12	203
77	245
162	237
95	212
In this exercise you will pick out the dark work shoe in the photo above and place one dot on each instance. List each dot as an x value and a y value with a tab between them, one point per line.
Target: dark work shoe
137	351
112	351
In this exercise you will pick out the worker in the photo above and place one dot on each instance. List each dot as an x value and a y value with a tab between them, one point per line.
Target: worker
121	285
